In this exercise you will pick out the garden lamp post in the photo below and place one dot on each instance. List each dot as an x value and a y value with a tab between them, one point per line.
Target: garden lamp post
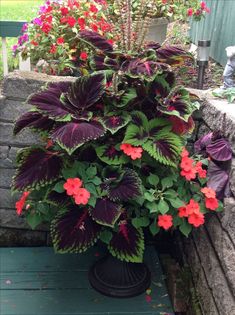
202	60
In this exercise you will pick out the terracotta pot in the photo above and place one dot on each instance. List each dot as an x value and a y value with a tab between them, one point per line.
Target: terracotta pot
157	30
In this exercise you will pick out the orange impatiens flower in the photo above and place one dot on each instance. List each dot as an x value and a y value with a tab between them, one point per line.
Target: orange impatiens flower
133	152
184	153
196	219
192	207
183	212
165	221
190	174
82	196
211	203
201	172
186	163
21	202
72	186
208	192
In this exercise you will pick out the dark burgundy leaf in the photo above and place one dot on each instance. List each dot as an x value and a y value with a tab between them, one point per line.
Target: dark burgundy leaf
110	155
96	40
219	150
115	122
74	231
218	180
127	188
201	144
128	243
86	91
58	199
48	100
72	135
172	55
106	212
180	127
37	168
33	120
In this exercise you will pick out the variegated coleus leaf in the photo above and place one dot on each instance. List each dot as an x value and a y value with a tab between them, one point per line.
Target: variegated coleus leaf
172	55
128	186
110	155
37	168
33	120
106	212
74	231
115	121
96	40
128	243
72	135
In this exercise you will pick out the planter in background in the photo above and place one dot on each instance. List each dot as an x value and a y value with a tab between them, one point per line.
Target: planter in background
157	30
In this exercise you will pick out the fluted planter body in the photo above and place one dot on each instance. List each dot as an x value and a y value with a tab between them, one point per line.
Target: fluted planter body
157	30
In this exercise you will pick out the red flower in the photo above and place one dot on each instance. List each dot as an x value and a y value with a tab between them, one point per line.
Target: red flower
46	27
198	12
191	174
184	153
53	49
203	5
82	196
71	21
165	221
93	8
190	12
20	203
72	186
201	172
196	219
211	203
83	55
94	27
208	192
186	163
60	41
192	207
49	143
63	20
34	43
82	23
182	212
64	11
133	152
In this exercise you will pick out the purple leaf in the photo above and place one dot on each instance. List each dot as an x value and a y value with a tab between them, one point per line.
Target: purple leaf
219	150
218	180
96	40
37	168
110	155
106	212
127	188
33	120
48	100
85	92
128	243
172	55
72	135
115	122
201	144
74	231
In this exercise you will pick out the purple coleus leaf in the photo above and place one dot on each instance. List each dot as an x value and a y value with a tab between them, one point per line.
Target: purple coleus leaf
128	243
115	122
106	212
74	231
85	92
72	135
219	150
33	120
96	40
48	101
177	103
172	55
127	188
37	168
218	180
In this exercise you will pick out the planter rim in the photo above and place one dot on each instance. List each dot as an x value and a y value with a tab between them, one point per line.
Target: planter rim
160	20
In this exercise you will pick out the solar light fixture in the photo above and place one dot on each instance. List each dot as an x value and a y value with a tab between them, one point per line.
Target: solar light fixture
202	60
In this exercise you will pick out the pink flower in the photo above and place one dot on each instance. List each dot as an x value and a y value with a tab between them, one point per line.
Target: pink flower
165	221
82	196
83	55
72	186
190	12
60	41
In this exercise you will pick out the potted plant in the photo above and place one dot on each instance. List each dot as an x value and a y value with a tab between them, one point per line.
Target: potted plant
113	164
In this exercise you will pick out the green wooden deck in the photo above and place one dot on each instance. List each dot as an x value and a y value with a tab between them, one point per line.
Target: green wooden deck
35	281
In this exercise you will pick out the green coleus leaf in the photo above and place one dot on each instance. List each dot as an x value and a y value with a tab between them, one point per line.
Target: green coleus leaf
140	119
115	122
126	98
135	135
165	148
110	155
128	243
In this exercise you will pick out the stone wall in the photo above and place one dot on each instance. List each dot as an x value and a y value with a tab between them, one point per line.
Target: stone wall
210	252
17	86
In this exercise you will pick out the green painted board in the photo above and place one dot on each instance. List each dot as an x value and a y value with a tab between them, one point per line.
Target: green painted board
10	28
36	281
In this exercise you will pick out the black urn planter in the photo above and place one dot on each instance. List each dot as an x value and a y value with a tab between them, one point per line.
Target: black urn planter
115	278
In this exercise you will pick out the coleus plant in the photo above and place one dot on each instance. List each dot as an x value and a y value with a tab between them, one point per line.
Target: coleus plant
113	163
